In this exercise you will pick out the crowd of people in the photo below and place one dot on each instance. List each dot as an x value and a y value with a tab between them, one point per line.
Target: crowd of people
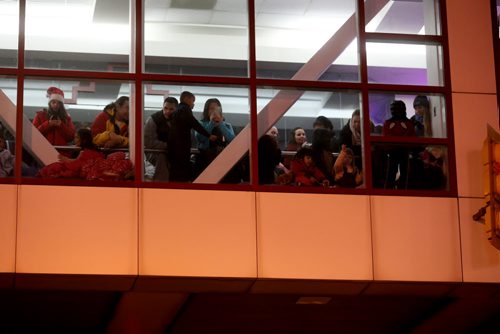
329	159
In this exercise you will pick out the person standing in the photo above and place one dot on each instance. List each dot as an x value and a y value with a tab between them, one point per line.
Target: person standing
156	134
179	139
54	123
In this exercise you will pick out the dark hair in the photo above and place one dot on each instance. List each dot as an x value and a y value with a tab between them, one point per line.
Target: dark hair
421	101
172	100
304	152
113	105
292	137
185	94
85	136
59	113
398	109
323	122
206	116
356	113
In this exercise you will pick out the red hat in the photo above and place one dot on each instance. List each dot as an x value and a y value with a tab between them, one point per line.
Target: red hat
54	93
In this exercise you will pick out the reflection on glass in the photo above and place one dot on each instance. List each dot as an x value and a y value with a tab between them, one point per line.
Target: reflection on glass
188	127
407	17
404	64
310	138
411	166
77	129
290	36
8	95
78	35
9	30
196	37
426	113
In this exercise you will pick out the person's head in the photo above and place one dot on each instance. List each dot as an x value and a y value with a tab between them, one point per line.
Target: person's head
321	139
56	103
323	123
169	106
306	155
121	106
356	120
188	98
211	105
83	138
398	109
348	157
421	104
273	132
298	136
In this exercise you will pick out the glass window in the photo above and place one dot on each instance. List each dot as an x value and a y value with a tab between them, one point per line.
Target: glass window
405	64
82	35
325	126
196	37
410	166
78	129
8	96
9	30
426	113
304	40
407	17
207	143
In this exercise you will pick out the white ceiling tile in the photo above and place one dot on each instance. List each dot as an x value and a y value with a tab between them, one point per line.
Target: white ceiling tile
285	6
235	19
157	3
332	7
238	6
154	14
189	16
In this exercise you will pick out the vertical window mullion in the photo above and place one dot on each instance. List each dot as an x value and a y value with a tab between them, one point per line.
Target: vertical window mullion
20	91
254	175
363	68
137	40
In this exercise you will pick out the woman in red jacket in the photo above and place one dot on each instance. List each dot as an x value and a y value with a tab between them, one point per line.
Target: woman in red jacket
54	122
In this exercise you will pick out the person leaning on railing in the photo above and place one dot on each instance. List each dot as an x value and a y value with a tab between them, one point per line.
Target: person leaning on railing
110	127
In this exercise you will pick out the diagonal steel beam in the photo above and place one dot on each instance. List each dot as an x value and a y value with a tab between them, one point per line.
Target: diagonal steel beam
33	141
284	100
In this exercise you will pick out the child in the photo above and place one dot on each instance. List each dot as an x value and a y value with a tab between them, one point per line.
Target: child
6	159
305	171
71	168
346	173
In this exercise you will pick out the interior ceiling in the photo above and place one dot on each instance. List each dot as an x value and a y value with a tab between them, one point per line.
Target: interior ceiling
205	18
461	309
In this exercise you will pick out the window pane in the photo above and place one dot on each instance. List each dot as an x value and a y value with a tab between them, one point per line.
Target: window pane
405	64
319	124
290	36
425	112
176	145
90	121
407	17
410	166
196	37
9	30
78	35
8	96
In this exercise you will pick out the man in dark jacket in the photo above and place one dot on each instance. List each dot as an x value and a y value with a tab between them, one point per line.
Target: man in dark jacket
179	139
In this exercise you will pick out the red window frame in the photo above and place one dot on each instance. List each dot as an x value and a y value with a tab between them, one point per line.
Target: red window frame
138	77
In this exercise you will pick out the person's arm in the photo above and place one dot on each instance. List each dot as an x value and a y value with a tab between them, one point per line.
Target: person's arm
193	122
151	137
100	134
227	131
40	124
203	142
67	129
